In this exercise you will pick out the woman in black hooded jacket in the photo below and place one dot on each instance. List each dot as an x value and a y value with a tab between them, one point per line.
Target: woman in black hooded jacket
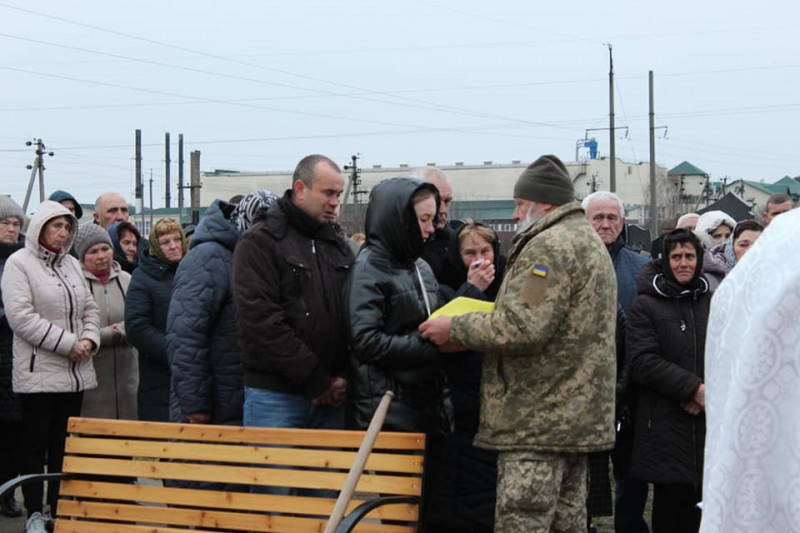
389	292
666	334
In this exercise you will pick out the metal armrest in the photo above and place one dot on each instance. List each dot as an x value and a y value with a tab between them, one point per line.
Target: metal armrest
30	478
351	521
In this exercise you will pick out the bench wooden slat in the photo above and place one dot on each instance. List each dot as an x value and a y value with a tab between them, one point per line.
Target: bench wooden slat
211	499
248	475
224	453
209	519
237	434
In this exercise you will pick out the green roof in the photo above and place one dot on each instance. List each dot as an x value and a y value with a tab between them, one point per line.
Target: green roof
686	169
786	185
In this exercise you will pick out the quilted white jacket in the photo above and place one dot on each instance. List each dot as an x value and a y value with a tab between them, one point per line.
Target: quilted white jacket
49	308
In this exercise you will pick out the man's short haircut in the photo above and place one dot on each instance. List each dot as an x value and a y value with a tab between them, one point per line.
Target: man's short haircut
603	196
99	201
778	198
305	168
429	173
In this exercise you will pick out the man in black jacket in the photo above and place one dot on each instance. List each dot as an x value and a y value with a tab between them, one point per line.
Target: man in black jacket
287	273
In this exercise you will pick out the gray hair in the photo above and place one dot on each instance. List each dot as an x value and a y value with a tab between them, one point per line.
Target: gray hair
429	173
603	195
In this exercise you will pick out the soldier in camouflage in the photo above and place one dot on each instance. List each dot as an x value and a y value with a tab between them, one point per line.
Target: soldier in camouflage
549	369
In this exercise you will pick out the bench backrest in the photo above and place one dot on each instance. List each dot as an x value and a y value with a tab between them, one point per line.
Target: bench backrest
106	455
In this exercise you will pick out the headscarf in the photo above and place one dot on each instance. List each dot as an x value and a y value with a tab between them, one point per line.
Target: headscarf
245	211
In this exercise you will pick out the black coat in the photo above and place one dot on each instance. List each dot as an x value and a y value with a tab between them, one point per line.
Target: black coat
288	270
146	324
384	306
666	335
464	495
202	338
9	402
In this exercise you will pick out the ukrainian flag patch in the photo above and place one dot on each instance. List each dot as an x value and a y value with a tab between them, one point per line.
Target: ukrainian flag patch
540	270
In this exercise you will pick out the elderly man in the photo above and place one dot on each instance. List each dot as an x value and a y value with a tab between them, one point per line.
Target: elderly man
606	214
110	207
547	391
776	204
436	252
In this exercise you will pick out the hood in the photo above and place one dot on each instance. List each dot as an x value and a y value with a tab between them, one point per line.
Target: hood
157	268
216	226
391	223
456	272
59	196
47	211
653	281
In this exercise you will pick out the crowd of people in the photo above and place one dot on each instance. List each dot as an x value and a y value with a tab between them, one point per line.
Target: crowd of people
592	361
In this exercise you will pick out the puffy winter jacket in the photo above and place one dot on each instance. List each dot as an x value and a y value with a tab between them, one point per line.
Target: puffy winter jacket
666	333
116	362
49	308
385	302
202	340
145	323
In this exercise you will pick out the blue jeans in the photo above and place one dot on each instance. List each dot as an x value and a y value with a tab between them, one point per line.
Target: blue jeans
272	409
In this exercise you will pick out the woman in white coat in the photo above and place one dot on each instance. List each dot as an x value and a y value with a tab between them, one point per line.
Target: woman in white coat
56	329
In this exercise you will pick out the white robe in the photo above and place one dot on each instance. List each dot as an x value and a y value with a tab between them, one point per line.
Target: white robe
751	481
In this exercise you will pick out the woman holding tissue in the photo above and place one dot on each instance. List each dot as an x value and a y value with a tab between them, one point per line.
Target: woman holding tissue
389	292
464	497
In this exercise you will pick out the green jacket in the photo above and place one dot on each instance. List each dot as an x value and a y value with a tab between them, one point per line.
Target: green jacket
549	367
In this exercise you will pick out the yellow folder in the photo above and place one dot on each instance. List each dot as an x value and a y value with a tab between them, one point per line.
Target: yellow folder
462	305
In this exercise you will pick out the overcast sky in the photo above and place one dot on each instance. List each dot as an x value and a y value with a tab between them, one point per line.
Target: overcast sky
258	85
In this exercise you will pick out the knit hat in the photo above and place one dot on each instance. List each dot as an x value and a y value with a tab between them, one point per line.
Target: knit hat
9	208
545	181
87	236
59	196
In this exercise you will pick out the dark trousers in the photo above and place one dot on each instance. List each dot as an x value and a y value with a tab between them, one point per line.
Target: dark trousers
10	432
631	494
44	431
674	508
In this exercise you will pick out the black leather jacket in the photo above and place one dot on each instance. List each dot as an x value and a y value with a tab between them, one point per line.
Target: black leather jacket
384	305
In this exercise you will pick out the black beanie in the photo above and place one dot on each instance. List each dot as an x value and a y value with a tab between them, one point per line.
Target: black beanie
545	181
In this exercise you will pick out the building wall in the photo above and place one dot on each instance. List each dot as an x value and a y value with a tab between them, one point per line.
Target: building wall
483	182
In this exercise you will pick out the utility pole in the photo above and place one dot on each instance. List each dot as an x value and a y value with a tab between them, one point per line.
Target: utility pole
36	168
194	192
653	207
611	134
139	185
167	163
353	182
180	178
151	199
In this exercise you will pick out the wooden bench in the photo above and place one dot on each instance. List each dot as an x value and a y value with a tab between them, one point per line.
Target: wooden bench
96	497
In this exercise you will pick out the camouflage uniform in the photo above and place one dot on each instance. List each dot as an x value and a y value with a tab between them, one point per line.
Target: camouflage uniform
549	368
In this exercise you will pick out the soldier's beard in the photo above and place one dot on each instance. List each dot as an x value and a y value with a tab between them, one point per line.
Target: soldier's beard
534	215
